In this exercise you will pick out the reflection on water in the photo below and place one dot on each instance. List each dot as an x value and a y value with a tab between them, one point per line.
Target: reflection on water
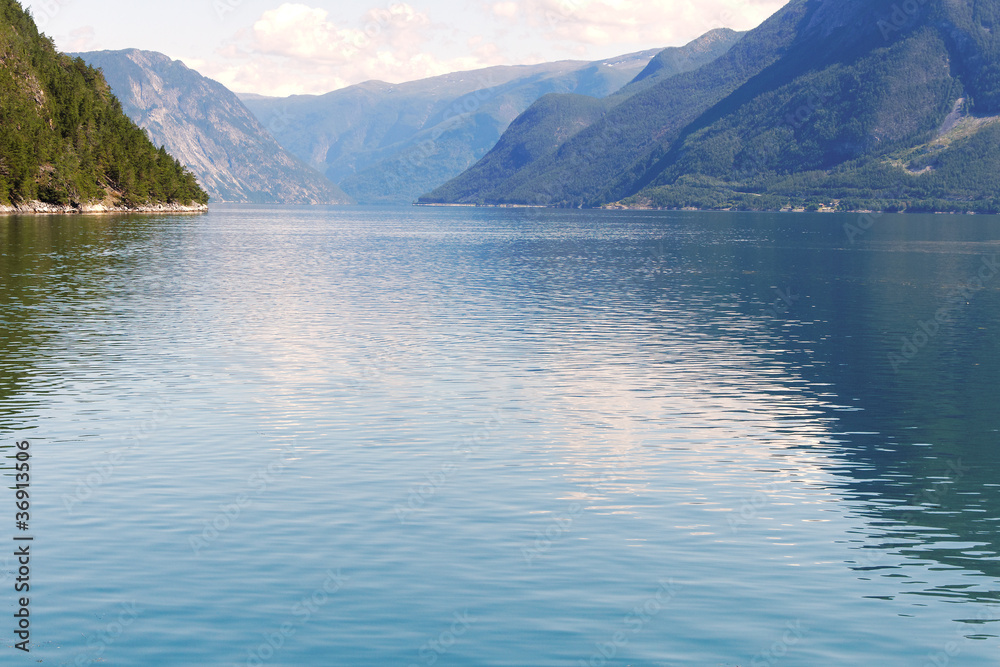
433	436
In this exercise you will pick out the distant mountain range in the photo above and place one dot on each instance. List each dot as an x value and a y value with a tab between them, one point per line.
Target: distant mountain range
856	104
849	104
555	119
374	142
209	130
392	142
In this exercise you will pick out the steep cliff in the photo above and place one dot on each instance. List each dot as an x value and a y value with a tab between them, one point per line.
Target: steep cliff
210	130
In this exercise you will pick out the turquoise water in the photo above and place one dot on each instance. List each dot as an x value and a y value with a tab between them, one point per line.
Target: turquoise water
411	436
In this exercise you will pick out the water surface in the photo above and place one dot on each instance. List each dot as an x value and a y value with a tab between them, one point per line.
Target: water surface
426	436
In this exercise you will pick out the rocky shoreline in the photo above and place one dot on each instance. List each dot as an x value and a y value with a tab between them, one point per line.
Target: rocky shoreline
37	207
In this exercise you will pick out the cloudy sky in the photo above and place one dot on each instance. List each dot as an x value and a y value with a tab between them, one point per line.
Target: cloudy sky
314	46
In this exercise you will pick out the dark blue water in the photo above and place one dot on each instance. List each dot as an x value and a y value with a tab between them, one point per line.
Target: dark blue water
410	436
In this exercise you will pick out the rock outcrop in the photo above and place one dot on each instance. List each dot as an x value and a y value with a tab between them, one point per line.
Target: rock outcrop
210	131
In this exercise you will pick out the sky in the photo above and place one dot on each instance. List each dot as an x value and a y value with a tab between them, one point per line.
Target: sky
271	47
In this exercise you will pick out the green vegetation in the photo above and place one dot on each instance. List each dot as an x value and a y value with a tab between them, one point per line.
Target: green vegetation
844	137
960	176
63	137
827	105
564	141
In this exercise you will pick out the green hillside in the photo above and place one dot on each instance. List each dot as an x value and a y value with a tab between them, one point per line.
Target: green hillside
556	118
577	172
838	103
63	137
896	127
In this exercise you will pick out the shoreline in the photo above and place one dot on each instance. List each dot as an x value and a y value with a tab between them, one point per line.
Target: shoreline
622	207
442	204
41	208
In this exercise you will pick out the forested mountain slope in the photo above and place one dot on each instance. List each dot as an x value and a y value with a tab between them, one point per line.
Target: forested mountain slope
555	119
851	103
64	140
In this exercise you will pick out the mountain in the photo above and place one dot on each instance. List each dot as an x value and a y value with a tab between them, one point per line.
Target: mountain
554	119
210	130
65	143
579	170
858	104
874	108
677	60
391	142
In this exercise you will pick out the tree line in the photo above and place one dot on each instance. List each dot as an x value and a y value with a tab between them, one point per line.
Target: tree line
64	138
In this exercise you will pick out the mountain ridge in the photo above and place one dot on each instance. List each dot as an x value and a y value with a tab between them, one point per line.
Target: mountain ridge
863	84
209	129
530	134
390	142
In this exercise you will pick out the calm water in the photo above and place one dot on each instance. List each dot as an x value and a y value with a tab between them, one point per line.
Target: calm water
295	436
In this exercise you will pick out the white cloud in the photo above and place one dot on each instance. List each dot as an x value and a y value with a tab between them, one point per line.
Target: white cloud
657	22
297	49
78	40
506	9
300	31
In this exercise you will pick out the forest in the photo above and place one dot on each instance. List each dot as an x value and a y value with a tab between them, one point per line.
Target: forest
63	136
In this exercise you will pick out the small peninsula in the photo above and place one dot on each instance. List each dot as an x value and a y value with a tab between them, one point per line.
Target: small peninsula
65	144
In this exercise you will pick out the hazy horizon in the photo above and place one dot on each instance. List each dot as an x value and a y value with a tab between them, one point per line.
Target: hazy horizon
277	49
